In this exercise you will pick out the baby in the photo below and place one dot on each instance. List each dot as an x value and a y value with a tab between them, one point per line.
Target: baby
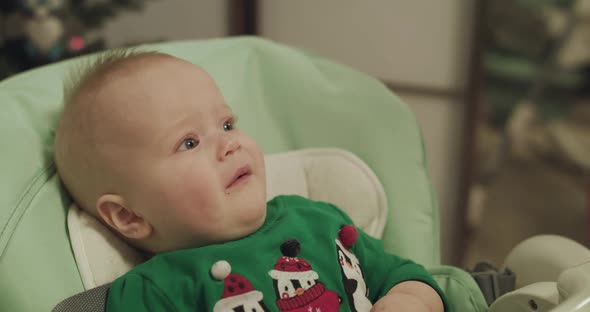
147	144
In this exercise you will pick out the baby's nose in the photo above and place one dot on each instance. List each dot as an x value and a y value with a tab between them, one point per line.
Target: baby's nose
228	146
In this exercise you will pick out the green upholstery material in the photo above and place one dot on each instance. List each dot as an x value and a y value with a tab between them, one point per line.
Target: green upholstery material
460	288
286	99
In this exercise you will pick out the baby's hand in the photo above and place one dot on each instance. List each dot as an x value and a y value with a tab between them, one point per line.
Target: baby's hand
410	296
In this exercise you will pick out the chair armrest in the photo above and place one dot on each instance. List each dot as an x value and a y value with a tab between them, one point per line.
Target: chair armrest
552	274
543	258
540	296
574	289
571	293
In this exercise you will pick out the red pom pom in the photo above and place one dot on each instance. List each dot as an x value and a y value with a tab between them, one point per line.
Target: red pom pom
348	235
77	43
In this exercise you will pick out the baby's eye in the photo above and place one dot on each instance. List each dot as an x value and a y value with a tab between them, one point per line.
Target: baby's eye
228	125
188	144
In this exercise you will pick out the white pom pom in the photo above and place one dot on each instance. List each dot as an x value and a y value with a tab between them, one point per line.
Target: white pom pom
220	270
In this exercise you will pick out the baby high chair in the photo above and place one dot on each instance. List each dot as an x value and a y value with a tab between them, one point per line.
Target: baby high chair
287	100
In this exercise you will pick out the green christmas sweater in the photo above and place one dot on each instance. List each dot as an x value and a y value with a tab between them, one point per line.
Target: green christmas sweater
306	257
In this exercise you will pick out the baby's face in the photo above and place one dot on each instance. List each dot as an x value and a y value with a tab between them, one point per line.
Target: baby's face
187	168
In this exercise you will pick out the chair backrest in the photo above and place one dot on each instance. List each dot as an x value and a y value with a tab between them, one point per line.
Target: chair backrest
286	99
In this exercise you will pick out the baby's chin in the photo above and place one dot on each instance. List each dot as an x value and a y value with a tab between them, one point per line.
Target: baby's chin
248	228
231	231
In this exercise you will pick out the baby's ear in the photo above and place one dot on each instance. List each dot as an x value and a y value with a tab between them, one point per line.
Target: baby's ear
114	212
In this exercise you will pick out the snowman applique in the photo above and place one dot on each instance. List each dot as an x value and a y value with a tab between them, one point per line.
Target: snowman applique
296	284
352	275
238	293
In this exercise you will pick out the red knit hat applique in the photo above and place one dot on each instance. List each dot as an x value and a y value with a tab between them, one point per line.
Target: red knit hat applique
237	290
296	284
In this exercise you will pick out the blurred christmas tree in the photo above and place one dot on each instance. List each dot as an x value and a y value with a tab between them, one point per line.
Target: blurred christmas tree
535	52
38	32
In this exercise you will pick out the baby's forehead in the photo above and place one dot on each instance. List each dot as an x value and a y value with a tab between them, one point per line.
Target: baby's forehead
161	84
133	70
152	83
148	75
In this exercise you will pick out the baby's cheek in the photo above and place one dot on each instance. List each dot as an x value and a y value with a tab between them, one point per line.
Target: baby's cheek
194	193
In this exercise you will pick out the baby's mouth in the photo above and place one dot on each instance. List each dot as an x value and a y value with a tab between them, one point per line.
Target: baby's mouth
241	175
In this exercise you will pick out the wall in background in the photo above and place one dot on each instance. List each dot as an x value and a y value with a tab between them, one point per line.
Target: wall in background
417	42
168	20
